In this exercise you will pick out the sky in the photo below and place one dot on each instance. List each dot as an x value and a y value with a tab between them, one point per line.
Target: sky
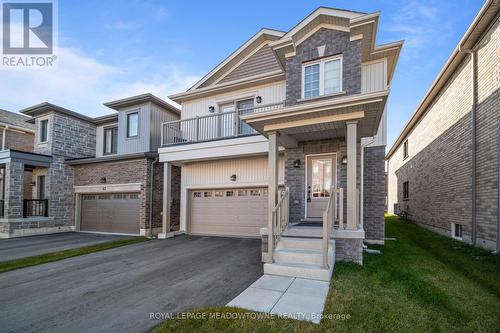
114	49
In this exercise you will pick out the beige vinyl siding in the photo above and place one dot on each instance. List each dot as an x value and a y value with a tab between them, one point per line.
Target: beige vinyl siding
158	116
249	171
373	76
100	138
270	93
261	62
141	142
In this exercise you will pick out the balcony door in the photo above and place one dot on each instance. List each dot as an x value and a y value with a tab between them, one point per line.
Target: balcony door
320	176
245	107
227	120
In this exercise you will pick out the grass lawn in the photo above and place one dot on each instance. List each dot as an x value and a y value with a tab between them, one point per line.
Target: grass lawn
10	265
422	282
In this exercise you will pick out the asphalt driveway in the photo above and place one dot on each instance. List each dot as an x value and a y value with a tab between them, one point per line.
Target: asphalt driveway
16	248
116	290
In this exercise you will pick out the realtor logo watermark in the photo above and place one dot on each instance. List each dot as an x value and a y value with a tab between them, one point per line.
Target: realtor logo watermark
29	33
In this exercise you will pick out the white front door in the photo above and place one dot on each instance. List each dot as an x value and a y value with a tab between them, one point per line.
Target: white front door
320	177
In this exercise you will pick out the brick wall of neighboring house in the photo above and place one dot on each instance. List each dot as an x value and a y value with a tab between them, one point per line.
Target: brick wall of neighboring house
488	124
68	137
439	165
17	140
133	171
336	42
374	193
295	177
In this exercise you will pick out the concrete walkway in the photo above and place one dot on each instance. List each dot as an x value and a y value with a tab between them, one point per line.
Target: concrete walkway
296	298
16	248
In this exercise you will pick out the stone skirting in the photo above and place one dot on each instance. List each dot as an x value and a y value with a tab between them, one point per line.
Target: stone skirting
11	228
349	245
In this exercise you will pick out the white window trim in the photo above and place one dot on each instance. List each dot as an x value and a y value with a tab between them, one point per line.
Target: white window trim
39	130
321	63
453	232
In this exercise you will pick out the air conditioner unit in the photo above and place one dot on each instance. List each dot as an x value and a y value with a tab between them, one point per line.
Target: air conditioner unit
401	209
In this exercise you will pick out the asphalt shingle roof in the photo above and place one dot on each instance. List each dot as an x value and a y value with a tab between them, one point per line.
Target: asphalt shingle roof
15	119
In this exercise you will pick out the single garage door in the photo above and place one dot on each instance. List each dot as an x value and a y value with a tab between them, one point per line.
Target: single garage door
228	212
116	213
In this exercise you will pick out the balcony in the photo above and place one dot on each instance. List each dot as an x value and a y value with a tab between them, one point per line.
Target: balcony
217	126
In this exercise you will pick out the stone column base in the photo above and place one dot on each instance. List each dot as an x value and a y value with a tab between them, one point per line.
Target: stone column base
349	245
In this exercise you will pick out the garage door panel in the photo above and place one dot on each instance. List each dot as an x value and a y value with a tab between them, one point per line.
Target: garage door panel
116	213
229	212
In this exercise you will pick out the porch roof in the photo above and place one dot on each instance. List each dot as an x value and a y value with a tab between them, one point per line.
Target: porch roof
30	159
323	119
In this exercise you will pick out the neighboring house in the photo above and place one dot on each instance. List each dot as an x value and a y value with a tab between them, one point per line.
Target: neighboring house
16	134
444	167
90	174
286	127
15	131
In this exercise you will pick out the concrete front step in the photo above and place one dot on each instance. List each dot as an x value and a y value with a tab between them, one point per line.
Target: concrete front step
299	243
299	256
296	231
305	271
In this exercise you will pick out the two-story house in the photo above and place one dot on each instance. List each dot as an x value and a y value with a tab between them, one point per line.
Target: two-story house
285	140
90	174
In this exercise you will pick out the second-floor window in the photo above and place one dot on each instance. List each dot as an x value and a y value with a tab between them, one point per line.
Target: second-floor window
132	124
322	77
44	130
405	149
110	140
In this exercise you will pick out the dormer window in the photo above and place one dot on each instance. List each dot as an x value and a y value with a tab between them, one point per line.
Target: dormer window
322	77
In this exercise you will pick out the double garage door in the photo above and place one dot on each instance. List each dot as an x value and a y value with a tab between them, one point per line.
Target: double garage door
114	213
228	212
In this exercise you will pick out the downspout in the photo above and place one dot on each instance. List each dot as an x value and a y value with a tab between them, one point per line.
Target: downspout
473	54
151	181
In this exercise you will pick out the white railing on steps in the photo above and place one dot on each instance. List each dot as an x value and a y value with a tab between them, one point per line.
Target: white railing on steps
281	217
334	210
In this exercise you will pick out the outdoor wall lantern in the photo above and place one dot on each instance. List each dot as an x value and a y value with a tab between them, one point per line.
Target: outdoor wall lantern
344	160
103	180
233	178
211	109
33	183
258	99
296	164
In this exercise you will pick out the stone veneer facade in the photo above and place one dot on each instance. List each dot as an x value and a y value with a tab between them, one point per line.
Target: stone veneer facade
439	165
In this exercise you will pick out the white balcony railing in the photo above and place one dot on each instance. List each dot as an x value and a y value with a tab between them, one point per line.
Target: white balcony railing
215	126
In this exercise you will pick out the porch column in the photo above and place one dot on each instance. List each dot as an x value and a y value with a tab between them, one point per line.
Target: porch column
272	190
351	175
167	198
14	189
